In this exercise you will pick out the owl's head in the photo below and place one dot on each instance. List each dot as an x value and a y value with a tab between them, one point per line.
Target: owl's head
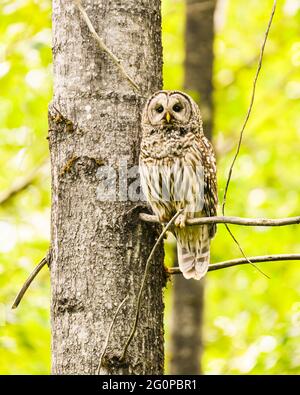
167	108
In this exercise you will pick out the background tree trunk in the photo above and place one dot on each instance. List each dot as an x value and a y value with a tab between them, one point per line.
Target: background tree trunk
187	308
99	249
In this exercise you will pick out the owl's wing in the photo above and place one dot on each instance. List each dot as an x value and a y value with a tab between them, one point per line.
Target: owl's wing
210	182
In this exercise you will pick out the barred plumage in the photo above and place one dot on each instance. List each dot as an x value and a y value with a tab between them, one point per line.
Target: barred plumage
178	171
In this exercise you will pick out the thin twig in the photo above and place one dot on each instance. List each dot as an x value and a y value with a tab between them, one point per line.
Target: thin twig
139	299
29	280
242	261
231	220
242	132
102	45
109	332
250	106
242	252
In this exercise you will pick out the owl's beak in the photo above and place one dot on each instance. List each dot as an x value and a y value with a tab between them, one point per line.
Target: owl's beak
168	117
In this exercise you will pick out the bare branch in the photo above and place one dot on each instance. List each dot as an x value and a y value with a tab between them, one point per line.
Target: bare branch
20	185
231	220
29	280
236	221
139	299
109	332
242	261
101	44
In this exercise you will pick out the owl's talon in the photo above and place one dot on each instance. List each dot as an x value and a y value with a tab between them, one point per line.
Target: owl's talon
180	221
163	219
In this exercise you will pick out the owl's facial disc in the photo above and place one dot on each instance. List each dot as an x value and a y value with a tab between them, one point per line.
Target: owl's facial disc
166	109
179	108
157	109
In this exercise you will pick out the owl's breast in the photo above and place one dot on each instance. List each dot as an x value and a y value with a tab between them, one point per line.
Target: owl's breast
166	145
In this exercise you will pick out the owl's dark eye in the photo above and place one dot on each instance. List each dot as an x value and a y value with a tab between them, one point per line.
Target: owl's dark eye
177	107
159	109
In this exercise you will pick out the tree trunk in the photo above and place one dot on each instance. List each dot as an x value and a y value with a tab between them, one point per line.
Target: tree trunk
187	310
199	39
99	248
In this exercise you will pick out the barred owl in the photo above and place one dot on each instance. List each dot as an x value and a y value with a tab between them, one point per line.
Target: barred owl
178	171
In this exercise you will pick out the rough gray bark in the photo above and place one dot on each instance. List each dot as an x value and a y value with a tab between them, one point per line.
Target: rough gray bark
99	249
187	308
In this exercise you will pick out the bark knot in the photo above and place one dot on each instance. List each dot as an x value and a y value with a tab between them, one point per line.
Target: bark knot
81	166
69	305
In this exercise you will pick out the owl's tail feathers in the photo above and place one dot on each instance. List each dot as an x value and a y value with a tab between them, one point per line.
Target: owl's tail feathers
193	264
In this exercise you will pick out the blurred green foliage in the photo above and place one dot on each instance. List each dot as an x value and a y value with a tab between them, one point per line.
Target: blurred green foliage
252	324
25	90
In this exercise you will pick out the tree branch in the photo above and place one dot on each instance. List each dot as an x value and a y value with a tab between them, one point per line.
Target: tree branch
21	185
29	280
101	44
243	261
231	220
